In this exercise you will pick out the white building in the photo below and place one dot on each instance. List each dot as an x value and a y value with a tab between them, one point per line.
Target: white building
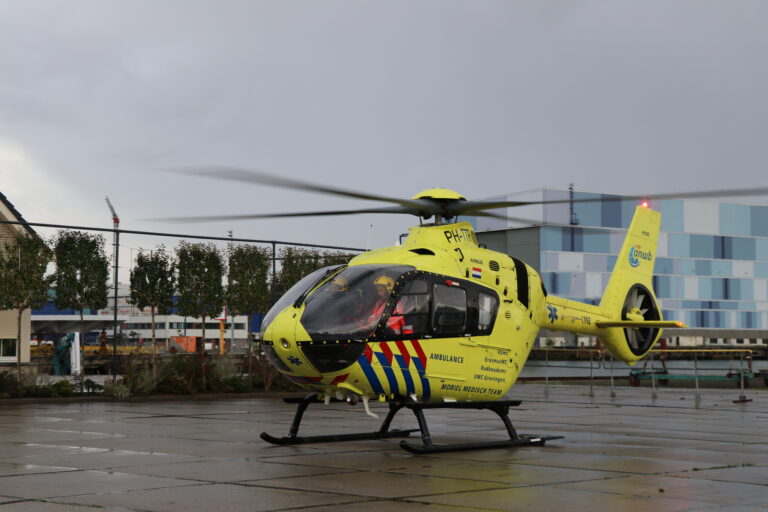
9	319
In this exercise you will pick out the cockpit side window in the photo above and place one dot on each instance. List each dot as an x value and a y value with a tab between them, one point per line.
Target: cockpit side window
433	306
449	310
521	273
487	306
410	316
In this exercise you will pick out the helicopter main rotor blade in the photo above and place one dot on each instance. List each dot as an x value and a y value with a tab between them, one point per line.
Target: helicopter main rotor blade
424	207
393	209
520	220
262	178
469	207
701	194
217	218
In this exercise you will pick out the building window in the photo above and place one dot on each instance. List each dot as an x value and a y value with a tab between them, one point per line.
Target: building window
735	219
758	226
7	349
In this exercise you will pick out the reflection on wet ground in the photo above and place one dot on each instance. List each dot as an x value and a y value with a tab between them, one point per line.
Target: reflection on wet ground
631	452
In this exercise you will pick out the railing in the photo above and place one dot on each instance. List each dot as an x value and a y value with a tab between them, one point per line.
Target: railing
599	359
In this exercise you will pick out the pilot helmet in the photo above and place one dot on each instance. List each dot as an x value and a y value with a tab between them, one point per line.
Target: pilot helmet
386	282
340	284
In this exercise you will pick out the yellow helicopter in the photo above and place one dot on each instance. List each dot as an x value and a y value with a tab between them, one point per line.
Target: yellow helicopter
440	321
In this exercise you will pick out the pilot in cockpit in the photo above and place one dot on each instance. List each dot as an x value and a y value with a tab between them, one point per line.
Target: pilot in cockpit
372	313
344	301
339	284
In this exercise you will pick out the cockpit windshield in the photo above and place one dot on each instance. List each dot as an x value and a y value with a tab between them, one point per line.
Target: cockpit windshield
350	305
298	290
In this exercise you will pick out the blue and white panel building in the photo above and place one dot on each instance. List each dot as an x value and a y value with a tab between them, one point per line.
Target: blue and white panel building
711	266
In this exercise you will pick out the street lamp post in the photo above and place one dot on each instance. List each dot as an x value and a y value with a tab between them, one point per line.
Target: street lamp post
116	225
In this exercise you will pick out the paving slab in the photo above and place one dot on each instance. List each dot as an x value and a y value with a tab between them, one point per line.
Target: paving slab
236	470
102	458
631	451
504	472
747	473
218	497
373	484
537	499
594	462
75	483
391	459
12	469
48	506
690	489
389	505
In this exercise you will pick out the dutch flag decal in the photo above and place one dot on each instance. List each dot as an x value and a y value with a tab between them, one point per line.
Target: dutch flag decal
477	273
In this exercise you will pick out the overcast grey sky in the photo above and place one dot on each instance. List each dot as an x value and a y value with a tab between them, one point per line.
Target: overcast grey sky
391	97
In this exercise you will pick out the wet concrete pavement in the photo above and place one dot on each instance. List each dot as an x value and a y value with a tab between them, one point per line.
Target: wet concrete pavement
631	452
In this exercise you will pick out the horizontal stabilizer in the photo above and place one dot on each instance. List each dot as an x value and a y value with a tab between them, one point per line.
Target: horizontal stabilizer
641	324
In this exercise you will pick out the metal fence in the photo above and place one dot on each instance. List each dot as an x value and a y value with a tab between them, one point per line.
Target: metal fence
696	368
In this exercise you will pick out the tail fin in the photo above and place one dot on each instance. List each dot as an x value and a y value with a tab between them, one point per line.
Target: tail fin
636	259
629	301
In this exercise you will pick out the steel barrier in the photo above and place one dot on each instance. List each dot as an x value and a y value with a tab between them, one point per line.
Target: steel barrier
656	369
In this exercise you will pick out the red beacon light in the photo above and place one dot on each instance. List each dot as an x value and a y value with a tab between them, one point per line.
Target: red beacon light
644	203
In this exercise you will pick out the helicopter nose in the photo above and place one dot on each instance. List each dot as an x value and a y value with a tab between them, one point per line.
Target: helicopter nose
286	352
291	354
278	344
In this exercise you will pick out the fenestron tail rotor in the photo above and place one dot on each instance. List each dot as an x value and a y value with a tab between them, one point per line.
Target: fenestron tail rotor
639	306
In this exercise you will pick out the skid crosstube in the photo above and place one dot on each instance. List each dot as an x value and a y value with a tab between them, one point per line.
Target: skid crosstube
293	436
500	407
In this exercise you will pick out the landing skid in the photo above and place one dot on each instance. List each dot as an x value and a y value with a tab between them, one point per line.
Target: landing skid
500	407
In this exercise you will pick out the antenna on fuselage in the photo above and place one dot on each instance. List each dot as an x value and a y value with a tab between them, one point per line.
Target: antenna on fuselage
368	243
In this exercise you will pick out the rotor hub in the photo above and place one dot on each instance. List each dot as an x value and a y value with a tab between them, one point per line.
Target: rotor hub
440	194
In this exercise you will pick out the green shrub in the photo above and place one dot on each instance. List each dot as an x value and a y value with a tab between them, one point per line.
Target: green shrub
7	383
238	384
183	375
118	389
62	388
42	391
92	387
140	381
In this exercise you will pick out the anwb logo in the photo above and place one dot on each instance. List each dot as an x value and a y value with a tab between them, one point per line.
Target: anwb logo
636	254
